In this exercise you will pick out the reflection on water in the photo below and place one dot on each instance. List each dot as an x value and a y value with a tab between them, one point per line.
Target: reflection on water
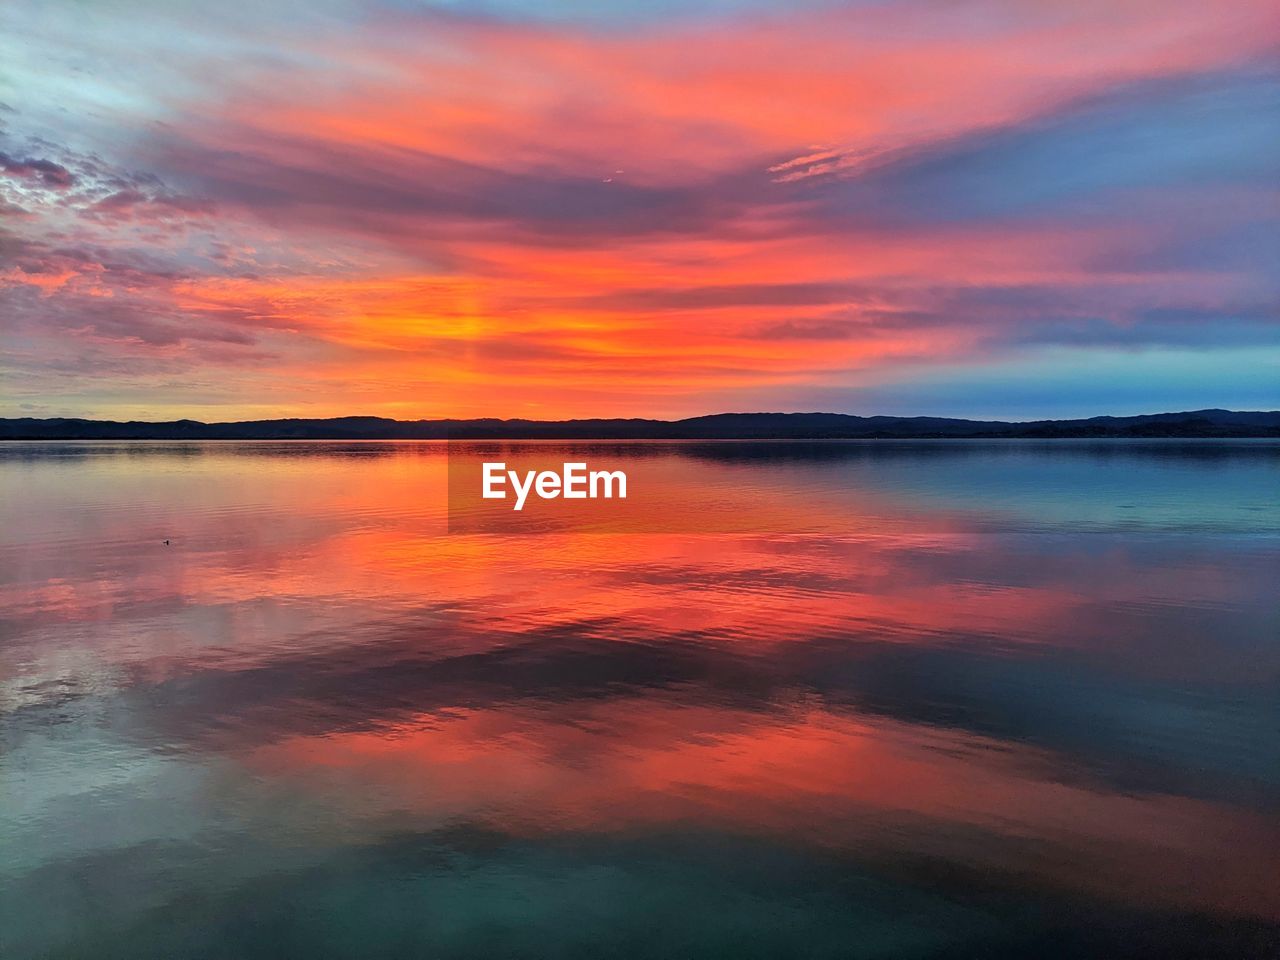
1016	699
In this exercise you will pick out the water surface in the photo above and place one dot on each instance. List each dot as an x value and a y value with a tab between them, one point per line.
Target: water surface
882	700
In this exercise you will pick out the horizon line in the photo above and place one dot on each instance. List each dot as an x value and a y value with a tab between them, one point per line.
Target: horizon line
623	419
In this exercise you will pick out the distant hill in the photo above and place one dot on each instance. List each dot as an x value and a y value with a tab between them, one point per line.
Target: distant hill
721	426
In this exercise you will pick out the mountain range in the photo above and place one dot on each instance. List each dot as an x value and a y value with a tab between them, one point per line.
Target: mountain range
722	426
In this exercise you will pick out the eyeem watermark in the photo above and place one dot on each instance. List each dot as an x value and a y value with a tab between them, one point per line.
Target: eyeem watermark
573	482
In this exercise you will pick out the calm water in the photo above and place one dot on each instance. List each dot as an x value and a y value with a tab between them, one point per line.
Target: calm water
866	700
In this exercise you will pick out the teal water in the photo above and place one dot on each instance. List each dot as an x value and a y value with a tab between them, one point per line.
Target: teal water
881	700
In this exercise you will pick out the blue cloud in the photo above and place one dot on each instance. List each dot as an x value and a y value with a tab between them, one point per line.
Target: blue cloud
1202	130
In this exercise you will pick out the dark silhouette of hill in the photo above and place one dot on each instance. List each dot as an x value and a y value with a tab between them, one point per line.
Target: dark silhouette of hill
722	426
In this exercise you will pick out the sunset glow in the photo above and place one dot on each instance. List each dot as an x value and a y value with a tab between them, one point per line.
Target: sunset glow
549	210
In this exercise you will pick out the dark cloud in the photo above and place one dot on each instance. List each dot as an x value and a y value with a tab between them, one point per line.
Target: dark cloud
1079	158
127	318
727	295
131	203
416	195
834	329
122	296
1166	327
1048	314
45	172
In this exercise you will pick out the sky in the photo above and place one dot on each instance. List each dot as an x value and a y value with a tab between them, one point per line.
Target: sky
1041	208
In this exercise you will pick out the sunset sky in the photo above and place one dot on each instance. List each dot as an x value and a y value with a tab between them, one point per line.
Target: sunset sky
564	208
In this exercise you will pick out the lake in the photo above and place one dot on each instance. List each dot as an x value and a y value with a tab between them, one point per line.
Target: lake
850	699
